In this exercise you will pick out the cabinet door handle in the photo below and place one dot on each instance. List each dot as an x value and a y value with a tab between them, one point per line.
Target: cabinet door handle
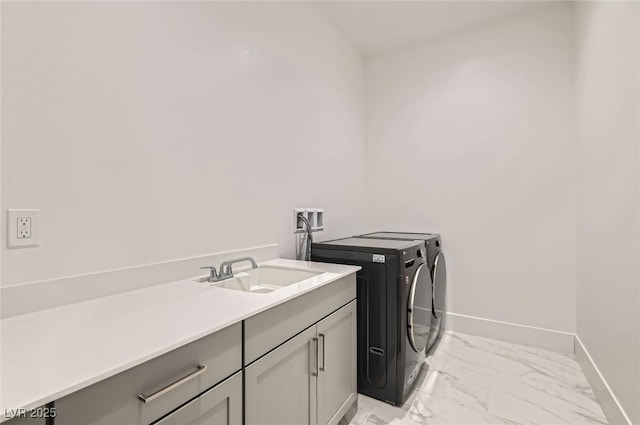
323	355
147	398
317	359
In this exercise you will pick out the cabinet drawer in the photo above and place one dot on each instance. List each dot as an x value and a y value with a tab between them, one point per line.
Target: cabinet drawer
26	420
191	369
272	327
221	405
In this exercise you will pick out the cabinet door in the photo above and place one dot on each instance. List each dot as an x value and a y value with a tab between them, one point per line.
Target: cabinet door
280	387
337	379
221	405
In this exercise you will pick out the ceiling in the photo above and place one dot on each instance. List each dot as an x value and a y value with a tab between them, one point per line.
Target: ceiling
376	26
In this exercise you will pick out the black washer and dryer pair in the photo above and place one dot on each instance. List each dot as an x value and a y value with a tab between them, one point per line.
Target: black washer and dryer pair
438	269
394	310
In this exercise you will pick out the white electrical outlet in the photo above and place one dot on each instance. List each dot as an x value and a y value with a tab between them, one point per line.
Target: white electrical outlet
22	228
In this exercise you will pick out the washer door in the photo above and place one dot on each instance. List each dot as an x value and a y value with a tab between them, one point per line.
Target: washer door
419	309
439	285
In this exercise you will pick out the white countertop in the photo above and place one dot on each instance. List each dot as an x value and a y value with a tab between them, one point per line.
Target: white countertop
52	353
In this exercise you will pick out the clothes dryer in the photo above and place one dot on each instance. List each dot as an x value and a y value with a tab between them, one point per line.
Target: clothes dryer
438	268
393	313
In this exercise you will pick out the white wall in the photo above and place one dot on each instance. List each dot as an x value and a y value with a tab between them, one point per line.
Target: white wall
608	252
148	131
472	136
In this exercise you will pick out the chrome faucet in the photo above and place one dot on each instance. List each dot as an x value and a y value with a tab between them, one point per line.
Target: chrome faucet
226	272
213	277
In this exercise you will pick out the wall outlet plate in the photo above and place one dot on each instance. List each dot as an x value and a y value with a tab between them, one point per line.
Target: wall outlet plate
315	216
298	224
319	220
23	228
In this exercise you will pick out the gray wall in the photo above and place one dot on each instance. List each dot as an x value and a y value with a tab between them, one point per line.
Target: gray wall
151	131
473	134
608	253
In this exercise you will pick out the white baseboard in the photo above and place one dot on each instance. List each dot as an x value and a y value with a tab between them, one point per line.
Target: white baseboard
35	296
610	405
511	332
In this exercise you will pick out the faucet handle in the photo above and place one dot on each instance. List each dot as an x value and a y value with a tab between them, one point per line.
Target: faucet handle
213	274
225	269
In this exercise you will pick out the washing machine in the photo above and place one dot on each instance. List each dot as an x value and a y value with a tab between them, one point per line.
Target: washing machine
394	317
438	268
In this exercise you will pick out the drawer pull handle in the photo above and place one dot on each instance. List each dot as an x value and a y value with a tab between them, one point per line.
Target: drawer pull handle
323	354
147	398
315	373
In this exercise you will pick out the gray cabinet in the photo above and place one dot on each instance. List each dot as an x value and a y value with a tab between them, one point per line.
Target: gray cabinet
265	331
26	420
280	388
145	393
308	380
337	377
221	405
300	368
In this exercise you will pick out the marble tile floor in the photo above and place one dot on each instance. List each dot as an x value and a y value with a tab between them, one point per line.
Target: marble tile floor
475	381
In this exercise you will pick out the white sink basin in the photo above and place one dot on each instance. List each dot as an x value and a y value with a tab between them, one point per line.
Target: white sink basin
264	279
